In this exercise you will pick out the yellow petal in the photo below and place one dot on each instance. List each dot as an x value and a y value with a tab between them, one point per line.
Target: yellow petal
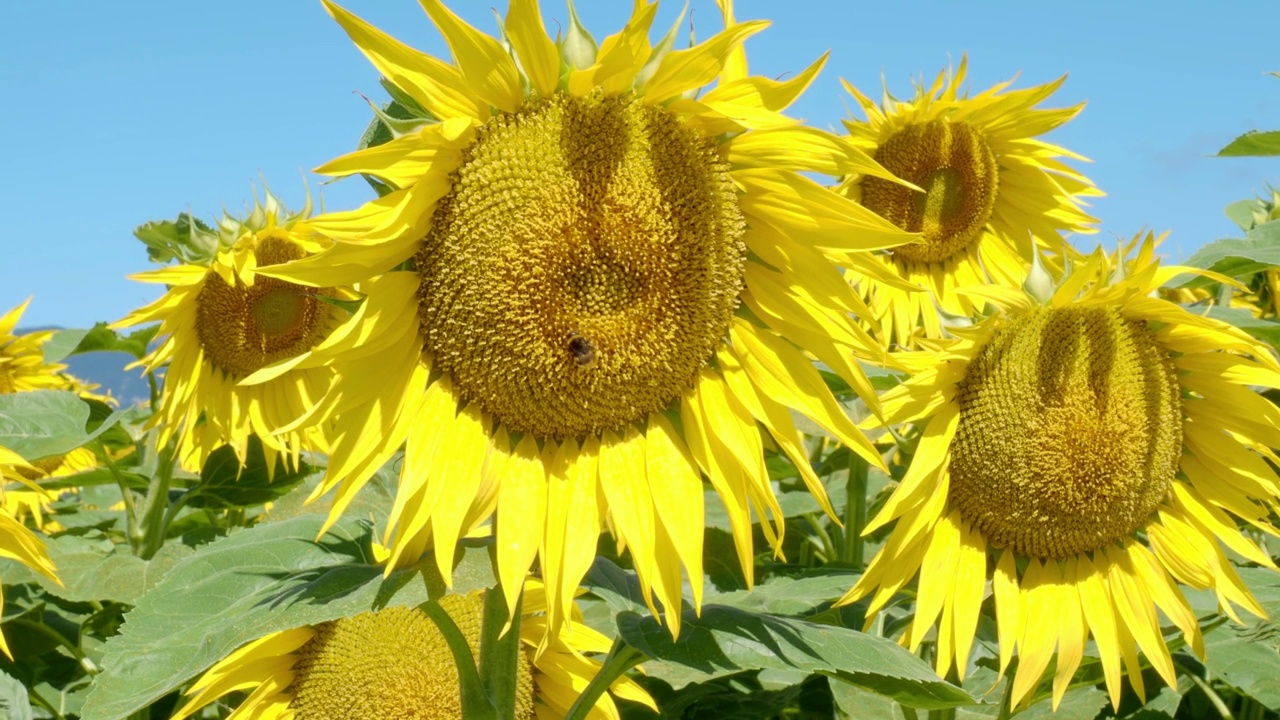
626	489
522	507
673	477
488	69
1095	602
536	50
436	86
699	65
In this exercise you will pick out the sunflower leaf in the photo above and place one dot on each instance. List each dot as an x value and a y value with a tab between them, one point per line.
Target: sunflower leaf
1253	144
256	581
41	423
98	570
725	640
98	339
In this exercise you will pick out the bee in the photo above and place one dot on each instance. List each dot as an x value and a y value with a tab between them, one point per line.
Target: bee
584	353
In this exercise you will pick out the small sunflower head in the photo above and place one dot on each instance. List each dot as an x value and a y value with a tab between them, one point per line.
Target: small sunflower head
393	663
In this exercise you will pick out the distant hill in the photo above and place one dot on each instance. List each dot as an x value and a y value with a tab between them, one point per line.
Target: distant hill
107	370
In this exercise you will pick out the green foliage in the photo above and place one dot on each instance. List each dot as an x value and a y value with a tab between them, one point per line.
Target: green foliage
251	583
1253	144
41	423
188	239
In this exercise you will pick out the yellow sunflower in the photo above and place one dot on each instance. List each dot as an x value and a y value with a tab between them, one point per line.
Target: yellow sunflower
17	542
987	181
1095	448
394	663
22	364
230	339
614	284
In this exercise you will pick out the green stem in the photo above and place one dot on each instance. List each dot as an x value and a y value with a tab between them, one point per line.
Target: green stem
828	545
155	391
621	658
36	698
88	665
1213	697
156	504
855	511
944	714
126	494
475	702
1006	706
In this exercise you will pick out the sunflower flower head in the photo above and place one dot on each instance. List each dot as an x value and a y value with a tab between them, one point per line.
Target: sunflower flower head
22	363
613	277
395	663
17	542
984	179
235	343
1098	449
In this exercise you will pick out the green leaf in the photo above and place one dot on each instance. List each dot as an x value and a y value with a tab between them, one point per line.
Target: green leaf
1264	330
14	703
786	595
98	570
1078	703
726	640
225	483
41	423
98	339
251	583
187	239
1258	250
1253	144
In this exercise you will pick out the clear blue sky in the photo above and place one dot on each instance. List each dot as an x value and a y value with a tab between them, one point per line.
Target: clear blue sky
113	114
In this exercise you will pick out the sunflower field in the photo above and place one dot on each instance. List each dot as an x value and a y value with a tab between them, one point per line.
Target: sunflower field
630	395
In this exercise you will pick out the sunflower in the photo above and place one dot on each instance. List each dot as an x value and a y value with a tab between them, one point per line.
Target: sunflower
231	339
613	288
17	542
1084	454
394	663
987	181
22	363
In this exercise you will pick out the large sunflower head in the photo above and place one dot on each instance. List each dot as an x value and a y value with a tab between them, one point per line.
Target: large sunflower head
22	363
395	663
985	180
234	342
1085	454
614	280
17	542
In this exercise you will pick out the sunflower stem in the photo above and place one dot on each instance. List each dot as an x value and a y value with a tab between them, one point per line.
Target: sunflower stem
855	510
155	504
126	496
1212	696
621	658
500	653
475	702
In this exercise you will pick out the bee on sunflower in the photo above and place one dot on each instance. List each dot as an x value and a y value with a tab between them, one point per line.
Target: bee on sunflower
987	179
1084	450
613	284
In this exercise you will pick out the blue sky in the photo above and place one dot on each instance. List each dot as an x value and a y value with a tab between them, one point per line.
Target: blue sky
118	113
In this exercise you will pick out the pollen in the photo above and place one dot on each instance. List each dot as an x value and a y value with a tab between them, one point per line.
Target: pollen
957	170
245	328
1070	432
585	265
393	663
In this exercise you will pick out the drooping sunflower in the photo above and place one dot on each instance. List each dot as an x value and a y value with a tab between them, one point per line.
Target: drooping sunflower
613	288
394	663
231	338
22	363
17	542
986	179
1085	454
